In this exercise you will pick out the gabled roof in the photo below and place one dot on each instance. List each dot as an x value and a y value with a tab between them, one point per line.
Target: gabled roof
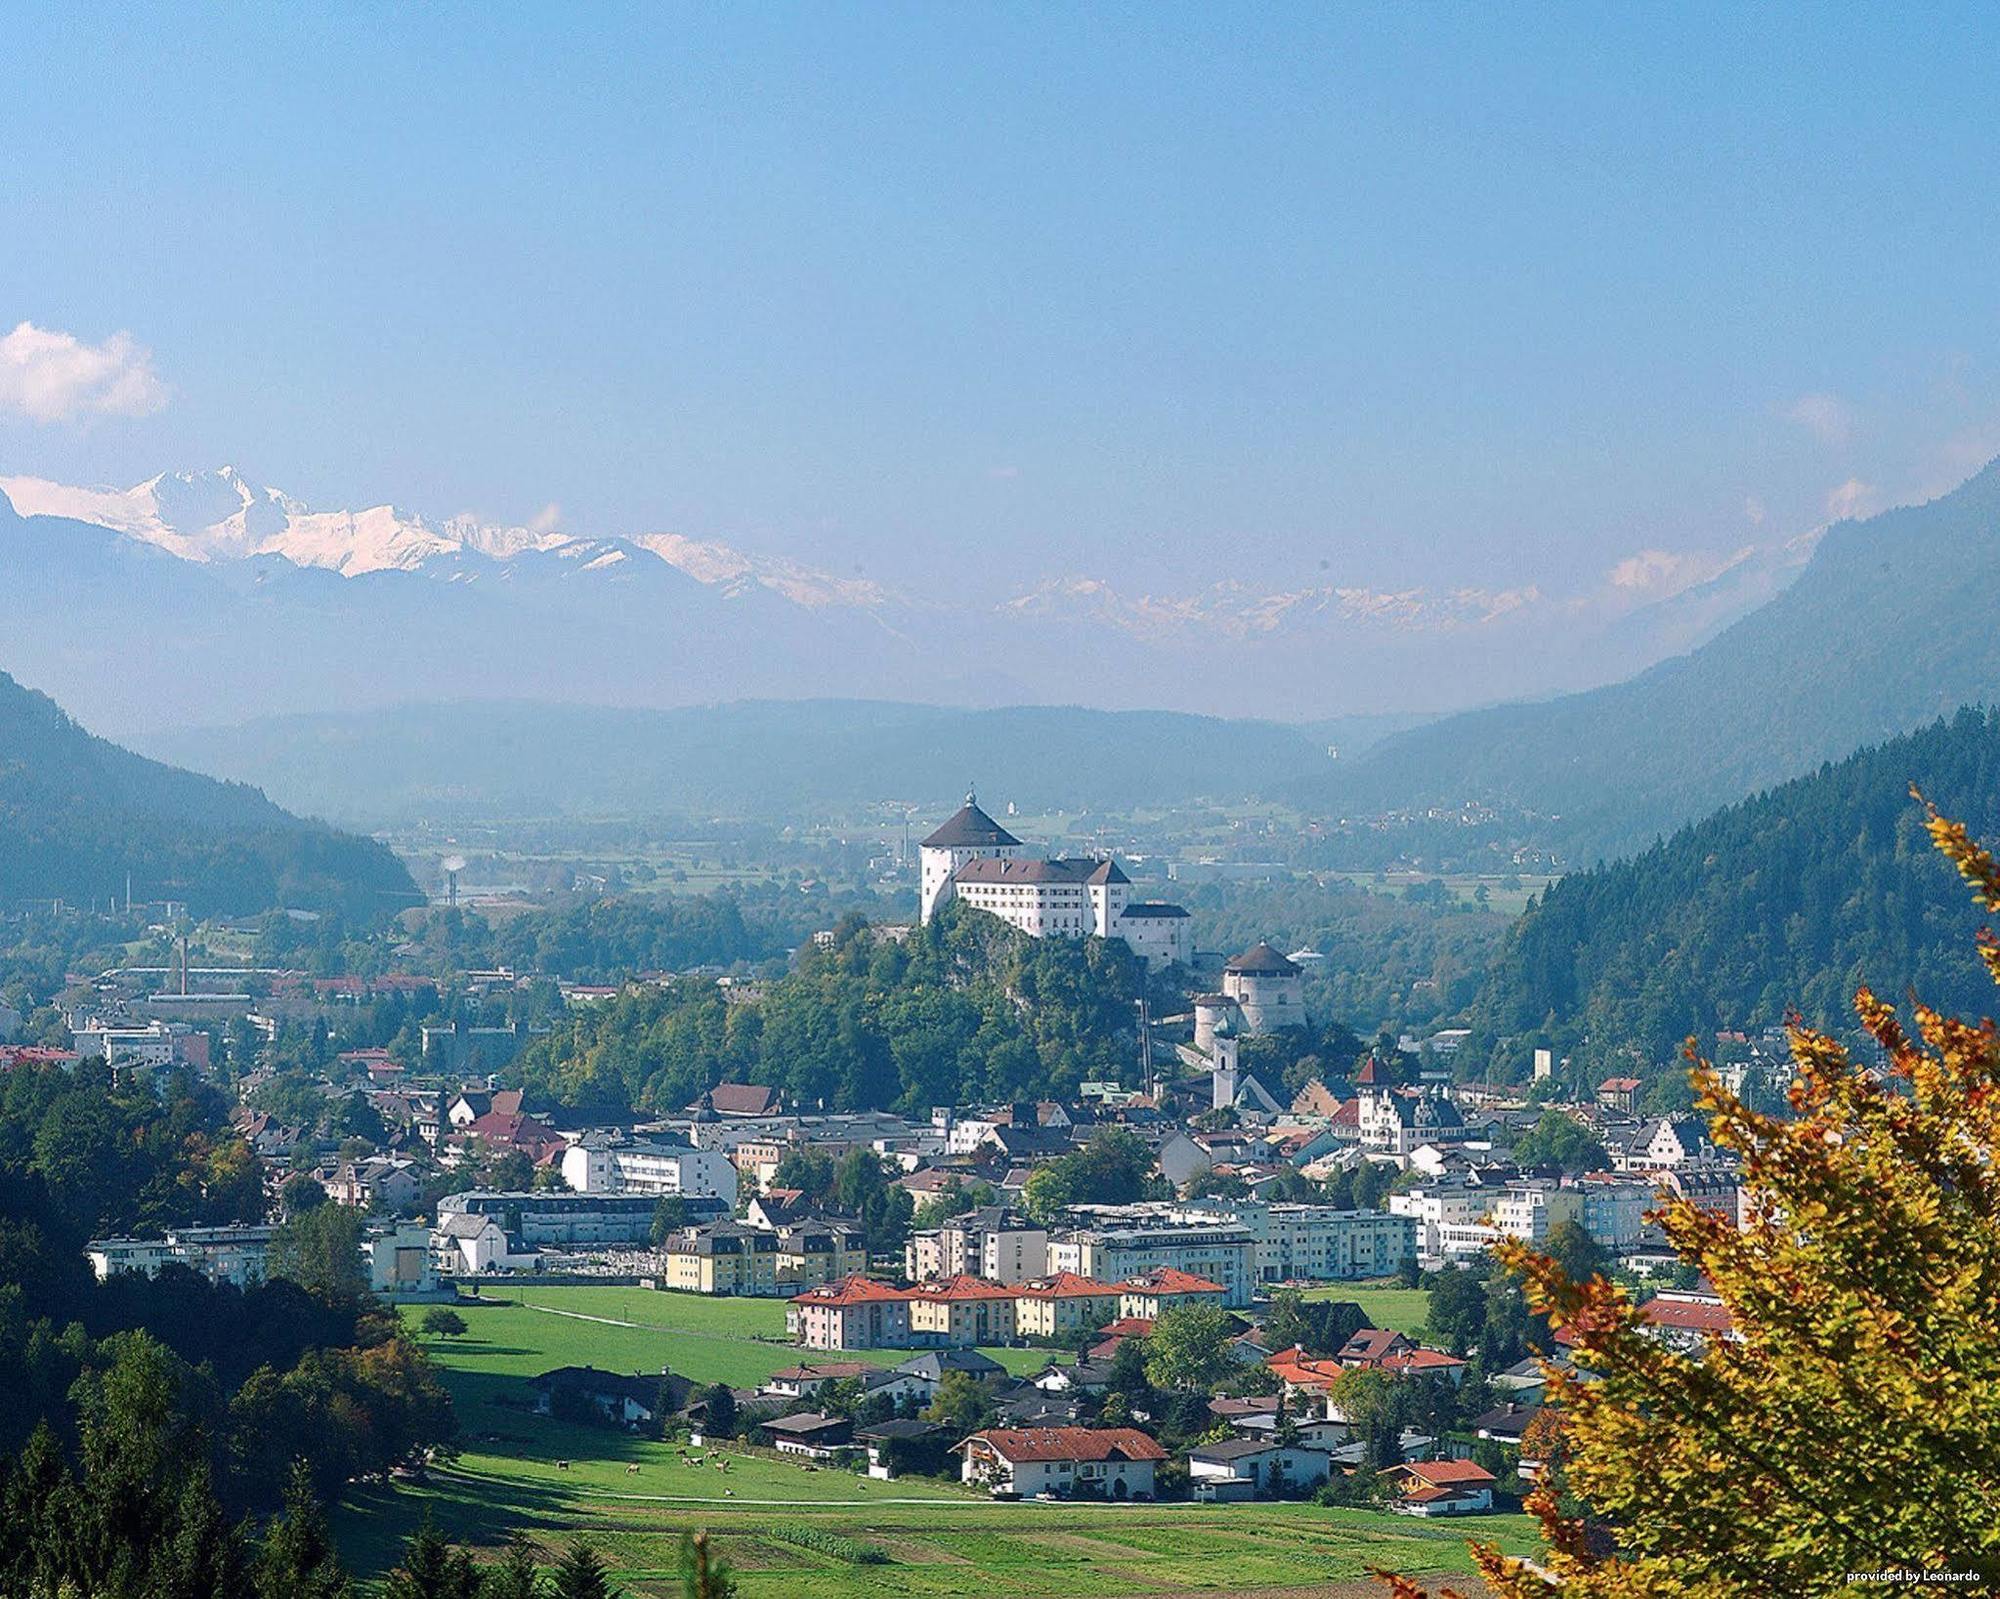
1261	960
959	1288
1372	1343
1066	1285
1449	1473
1109	871
851	1291
971	828
1029	1444
1154	911
1170	1280
742	1099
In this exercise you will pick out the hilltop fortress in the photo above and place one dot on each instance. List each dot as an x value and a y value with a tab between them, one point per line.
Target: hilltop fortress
973	858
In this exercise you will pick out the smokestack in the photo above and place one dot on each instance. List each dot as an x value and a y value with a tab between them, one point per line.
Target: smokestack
184	965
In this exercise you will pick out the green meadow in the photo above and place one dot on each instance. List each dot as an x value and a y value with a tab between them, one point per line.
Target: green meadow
634	1498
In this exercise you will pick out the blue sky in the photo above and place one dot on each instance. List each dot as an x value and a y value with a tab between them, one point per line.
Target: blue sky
1412	295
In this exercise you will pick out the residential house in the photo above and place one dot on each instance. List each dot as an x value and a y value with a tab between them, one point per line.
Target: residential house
1063	1462
858	1313
811	1253
624	1401
811	1434
1152	1293
1620	1095
378	1183
1441	1488
960	1312
1255	1468
1060	1306
988	1241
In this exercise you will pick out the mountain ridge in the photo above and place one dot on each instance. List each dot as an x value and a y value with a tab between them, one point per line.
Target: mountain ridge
80	815
1893	622
664	618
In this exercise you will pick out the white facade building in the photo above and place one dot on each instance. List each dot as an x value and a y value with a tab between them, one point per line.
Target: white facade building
974	859
599	1163
221	1254
1222	1252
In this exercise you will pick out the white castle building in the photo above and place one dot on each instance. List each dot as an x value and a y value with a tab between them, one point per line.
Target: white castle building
974	859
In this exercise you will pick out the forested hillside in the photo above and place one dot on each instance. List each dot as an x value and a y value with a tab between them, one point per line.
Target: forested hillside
1895	621
1788	900
77	814
965	1009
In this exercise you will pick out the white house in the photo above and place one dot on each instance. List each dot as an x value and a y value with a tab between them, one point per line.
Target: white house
1441	1488
1242	1468
1066	1462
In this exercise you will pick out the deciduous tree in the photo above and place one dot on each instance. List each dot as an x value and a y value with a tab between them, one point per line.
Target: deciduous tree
1849	1421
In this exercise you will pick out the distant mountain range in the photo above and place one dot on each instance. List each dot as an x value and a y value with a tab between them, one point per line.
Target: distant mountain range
788	761
80	818
203	597
1895	621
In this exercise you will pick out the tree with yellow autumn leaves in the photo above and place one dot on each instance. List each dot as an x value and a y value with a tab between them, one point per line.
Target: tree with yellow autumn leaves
1848	1427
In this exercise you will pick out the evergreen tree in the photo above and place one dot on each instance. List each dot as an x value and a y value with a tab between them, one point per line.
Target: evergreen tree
516	1575
297	1559
581	1574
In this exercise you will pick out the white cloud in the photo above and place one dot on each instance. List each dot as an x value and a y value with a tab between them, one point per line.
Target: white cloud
1660	574
1827	417
48	376
1852	498
547	519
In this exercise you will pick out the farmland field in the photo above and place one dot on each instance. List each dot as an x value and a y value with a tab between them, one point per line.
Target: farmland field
633	1498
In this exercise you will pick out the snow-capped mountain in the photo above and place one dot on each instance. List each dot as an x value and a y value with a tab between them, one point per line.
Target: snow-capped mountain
202	596
219	516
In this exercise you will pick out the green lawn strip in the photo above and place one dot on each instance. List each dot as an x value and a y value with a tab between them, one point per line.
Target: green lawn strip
1384	1304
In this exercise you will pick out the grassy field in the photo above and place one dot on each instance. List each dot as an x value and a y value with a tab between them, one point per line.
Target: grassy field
942	1541
1385	1304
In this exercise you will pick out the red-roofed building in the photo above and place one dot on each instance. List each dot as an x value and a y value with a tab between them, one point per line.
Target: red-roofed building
502	1130
1164	1288
35	1055
1068	1462
1620	1094
1385	1350
1687	1321
959	1312
854	1313
1441	1488
1058	1306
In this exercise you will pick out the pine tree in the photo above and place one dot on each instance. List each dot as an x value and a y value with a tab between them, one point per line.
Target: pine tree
297	1560
432	1569
517	1574
580	1574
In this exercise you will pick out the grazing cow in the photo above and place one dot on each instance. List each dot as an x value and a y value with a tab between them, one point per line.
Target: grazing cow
562	1465
632	1470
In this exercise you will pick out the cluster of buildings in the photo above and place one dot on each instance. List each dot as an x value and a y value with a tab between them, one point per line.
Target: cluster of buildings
965	1312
